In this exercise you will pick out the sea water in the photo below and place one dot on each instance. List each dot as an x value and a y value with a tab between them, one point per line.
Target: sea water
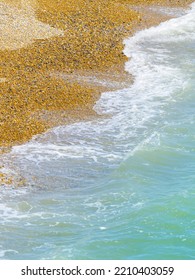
121	186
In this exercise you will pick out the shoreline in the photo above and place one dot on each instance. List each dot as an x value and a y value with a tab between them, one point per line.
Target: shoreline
34	100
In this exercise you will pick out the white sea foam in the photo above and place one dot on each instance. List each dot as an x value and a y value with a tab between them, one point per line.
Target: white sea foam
134	113
81	202
4	252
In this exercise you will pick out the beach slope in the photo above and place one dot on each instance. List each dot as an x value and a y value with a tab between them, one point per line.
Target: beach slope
51	50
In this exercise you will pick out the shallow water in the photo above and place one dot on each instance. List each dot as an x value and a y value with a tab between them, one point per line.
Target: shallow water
120	187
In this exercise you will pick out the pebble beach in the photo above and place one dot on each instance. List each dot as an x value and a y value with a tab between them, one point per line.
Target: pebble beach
42	40
97	126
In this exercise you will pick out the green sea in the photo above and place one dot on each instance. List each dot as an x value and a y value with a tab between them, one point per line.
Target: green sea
121	186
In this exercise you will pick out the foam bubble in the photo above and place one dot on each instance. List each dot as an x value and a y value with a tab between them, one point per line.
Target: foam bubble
134	113
4	252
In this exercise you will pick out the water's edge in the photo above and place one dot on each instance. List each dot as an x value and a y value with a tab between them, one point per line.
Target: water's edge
119	187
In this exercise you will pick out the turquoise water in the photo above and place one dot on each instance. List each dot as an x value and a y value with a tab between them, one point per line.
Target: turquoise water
120	187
